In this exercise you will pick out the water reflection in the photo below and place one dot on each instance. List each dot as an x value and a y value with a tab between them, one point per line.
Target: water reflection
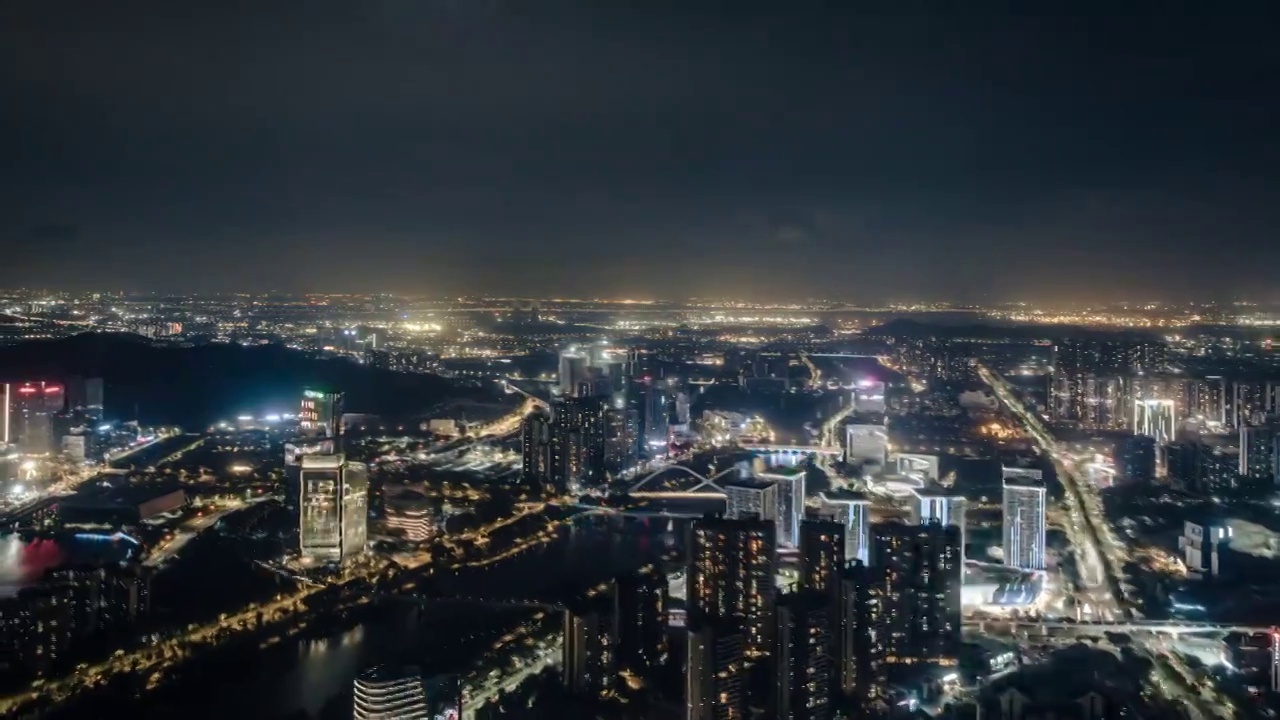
315	676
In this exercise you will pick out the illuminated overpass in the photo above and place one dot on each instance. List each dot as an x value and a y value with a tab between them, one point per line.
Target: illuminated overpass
793	449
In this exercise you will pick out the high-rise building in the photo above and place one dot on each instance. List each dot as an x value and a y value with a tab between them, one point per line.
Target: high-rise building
321	416
573	371
791	492
1260	452
1024	523
804	682
578	442
1138	458
936	504
853	511
334	510
622	426
866	444
860	651
535	447
715	672
590	647
386	693
642	619
822	558
1156	419
33	409
923	566
656	402
731	576
751	498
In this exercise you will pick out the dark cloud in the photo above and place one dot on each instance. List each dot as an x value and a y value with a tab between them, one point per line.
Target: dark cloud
648	148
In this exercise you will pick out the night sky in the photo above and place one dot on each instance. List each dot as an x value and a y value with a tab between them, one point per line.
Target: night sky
647	148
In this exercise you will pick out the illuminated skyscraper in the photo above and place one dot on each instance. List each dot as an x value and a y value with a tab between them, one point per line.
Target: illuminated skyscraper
923	566
853	511
320	416
731	576
535	441
751	498
574	366
590	649
642	619
791	492
804	682
578	432
1024	523
382	693
715	672
935	504
334	508
822	559
860	650
1260	452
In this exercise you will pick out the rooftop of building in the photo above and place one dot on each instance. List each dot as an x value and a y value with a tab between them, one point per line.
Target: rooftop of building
750	482
934	490
783	471
840	495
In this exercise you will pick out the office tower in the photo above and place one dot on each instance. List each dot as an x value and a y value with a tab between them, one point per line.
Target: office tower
1138	458
751	498
804	682
1258	452
334	512
535	447
791	492
921	613
730	576
320	416
578	443
715	672
382	693
590	647
822	558
1024	523
853	511
938	505
860	650
642	619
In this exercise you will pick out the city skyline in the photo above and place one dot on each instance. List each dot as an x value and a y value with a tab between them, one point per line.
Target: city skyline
588	149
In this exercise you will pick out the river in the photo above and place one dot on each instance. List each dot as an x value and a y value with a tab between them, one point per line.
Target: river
314	676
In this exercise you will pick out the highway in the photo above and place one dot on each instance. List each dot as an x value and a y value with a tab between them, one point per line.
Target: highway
1098	555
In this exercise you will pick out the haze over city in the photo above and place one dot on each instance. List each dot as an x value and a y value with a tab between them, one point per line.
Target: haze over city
659	150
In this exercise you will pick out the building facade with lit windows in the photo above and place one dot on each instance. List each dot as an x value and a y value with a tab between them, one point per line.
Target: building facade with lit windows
411	515
853	510
923	567
790	482
320	414
715	672
1024	523
751	498
936	504
334	508
731	575
804	669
